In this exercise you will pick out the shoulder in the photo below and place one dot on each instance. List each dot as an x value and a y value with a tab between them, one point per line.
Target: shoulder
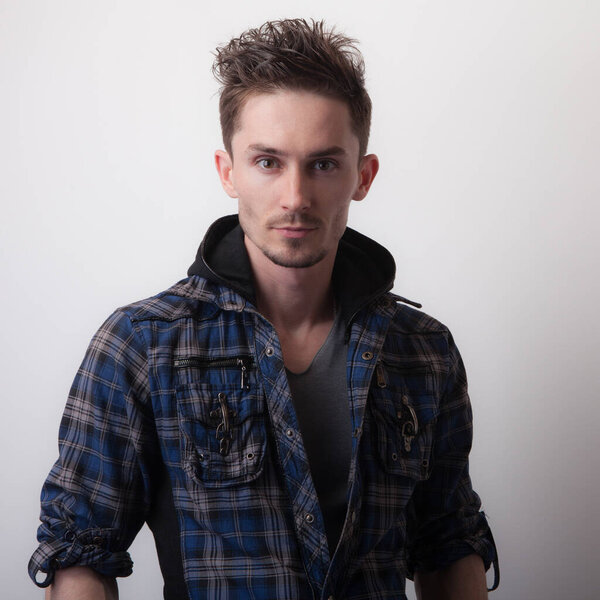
414	335
192	297
413	321
131	325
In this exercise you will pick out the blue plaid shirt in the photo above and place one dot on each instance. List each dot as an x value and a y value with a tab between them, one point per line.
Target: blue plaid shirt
189	387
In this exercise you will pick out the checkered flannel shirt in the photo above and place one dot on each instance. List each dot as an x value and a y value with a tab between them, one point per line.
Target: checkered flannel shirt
165	381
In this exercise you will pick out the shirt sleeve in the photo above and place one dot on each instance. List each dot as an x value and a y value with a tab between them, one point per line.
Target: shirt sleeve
96	496
446	523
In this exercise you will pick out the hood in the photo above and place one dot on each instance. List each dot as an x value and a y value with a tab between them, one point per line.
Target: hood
363	269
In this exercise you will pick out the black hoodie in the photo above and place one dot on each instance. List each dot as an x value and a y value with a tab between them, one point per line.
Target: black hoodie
363	269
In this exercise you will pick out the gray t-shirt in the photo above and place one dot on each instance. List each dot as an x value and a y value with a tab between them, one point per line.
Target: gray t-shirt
320	398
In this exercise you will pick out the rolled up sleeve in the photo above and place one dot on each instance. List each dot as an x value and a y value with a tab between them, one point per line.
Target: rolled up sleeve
96	496
446	523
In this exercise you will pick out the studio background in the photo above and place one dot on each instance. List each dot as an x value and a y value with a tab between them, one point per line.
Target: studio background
487	126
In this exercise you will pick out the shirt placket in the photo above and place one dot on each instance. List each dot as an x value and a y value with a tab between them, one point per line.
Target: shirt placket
366	340
308	519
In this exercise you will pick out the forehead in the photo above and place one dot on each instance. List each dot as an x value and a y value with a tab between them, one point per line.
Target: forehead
294	121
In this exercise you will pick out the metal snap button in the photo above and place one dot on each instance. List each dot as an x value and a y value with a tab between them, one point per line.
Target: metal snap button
289	433
367	355
269	351
309	518
394	456
250	456
69	535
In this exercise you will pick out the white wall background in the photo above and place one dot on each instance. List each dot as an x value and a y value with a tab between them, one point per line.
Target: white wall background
488	129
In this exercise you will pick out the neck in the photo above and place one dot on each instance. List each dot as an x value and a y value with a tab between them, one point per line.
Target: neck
292	298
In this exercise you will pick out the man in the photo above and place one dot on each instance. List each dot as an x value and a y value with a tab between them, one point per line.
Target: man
287	427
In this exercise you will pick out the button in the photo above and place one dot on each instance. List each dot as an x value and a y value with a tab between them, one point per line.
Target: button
367	355
309	518
98	541
269	351
69	535
289	433
394	456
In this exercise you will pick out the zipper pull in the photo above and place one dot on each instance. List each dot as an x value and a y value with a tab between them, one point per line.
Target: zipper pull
224	429
224	444
244	376
407	429
380	371
410	427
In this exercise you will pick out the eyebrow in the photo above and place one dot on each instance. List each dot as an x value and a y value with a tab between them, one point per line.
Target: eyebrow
331	151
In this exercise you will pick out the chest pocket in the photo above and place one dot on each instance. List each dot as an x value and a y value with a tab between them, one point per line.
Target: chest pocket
404	411
223	433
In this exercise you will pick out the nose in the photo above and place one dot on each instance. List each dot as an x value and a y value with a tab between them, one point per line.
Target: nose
295	196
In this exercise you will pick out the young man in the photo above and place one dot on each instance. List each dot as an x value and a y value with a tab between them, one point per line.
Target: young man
287	426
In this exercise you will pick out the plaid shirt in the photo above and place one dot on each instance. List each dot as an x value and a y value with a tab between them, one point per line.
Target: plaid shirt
192	381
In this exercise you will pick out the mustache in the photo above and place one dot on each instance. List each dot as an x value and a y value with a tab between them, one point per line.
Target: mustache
294	220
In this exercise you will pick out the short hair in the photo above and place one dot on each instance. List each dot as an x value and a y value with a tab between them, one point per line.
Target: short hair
292	54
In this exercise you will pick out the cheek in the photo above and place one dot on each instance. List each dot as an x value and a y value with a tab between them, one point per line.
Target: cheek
245	212
338	222
342	217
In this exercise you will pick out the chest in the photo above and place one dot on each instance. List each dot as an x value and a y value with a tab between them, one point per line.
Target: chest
300	346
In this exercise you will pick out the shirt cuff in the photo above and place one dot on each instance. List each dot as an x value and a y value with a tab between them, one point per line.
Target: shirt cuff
447	553
89	548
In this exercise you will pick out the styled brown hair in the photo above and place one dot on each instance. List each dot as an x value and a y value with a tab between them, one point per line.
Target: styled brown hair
292	54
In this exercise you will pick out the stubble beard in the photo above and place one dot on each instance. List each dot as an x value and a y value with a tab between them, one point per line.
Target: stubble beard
293	261
292	255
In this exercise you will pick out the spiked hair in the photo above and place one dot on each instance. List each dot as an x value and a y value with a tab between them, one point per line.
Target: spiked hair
291	54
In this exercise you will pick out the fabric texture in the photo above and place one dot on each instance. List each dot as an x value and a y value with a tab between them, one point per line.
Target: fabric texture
191	383
320	398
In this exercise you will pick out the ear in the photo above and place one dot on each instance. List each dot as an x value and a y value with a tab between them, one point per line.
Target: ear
224	166
369	165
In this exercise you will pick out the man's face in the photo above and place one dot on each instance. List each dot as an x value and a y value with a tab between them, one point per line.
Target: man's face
295	169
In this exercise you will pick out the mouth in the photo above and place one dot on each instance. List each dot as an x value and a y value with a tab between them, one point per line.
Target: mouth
295	232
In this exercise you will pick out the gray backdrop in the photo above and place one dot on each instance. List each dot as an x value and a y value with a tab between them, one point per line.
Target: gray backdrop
487	127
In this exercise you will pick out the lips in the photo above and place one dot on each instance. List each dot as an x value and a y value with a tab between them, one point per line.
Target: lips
294	232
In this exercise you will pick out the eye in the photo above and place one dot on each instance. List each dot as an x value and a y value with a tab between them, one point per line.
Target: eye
267	163
324	164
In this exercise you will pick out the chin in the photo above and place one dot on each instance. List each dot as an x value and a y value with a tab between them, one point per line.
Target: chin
291	260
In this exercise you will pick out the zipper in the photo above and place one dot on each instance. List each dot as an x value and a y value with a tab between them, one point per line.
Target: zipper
408	369
244	363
